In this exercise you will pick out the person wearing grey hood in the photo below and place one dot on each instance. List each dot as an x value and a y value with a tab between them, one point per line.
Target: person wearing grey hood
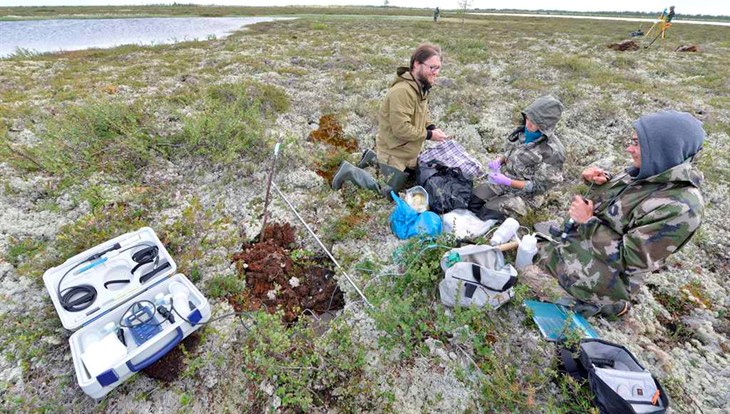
531	164
629	223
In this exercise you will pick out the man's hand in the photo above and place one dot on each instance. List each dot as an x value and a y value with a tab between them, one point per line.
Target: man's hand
581	210
500	179
495	164
437	135
595	175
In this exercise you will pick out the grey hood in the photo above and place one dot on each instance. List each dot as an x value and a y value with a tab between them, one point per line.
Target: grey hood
545	112
667	139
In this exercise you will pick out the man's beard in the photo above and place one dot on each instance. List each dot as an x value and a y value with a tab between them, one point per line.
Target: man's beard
425	83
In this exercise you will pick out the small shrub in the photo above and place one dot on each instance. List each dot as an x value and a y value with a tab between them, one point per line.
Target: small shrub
100	136
224	285
19	251
231	121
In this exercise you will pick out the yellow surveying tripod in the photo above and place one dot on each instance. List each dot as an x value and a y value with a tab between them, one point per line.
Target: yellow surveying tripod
662	25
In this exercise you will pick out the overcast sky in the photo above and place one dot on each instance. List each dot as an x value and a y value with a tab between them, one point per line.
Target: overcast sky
715	7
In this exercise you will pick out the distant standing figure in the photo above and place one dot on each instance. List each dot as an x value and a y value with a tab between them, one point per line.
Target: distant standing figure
670	16
437	13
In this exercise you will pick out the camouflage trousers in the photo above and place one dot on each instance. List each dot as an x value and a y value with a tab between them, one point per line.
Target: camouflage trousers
580	274
499	198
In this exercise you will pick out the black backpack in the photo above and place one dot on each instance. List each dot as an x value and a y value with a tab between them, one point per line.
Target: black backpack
618	382
447	187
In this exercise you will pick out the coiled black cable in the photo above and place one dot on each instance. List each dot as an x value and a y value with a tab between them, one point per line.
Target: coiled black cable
80	297
77	298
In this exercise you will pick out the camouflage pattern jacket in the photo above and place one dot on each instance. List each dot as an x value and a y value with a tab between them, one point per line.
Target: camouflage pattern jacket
540	162
637	224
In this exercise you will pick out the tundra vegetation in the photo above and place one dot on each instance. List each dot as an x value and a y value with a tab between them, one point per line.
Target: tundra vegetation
95	143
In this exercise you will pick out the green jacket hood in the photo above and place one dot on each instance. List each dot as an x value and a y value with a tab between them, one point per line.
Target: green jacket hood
403	74
545	112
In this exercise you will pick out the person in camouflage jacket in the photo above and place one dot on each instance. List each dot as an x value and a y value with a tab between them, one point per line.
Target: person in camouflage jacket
531	164
630	223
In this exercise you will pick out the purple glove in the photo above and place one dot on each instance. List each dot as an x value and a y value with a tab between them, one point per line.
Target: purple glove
495	164
500	179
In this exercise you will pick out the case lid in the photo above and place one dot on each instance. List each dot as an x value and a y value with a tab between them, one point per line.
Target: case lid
99	279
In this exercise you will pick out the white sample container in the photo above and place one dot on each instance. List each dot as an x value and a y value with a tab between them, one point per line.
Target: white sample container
526	251
505	232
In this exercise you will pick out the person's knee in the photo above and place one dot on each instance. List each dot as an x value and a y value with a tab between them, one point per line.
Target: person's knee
392	162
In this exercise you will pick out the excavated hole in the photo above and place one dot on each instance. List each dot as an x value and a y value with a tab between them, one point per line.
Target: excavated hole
169	367
275	281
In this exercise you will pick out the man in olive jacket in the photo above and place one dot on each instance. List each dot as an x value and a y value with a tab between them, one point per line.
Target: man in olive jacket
631	222
403	126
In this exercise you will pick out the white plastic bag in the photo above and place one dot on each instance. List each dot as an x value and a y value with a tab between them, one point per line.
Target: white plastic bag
465	224
417	197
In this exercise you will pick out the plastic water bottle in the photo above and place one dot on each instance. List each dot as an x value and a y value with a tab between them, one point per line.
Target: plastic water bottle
526	251
505	232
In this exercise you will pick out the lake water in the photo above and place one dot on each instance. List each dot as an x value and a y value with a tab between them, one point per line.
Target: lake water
74	34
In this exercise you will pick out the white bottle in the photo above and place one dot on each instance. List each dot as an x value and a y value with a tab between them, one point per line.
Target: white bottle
505	232
180	295
526	251
102	350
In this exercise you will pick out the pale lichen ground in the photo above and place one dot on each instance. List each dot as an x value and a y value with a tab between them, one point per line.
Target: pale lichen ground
492	68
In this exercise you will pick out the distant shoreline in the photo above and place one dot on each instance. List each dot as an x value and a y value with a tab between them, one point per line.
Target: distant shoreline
625	19
55	12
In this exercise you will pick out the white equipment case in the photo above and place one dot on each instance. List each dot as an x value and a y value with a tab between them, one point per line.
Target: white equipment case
118	296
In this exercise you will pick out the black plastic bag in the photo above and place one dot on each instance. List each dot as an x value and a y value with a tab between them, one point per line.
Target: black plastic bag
447	187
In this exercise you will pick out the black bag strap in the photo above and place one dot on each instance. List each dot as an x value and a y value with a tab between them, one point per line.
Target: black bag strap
570	364
476	273
510	283
471	287
601	363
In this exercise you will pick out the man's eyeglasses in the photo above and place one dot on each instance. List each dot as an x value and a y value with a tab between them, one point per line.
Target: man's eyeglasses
634	142
434	68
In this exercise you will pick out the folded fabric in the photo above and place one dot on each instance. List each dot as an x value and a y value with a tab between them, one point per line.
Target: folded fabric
452	154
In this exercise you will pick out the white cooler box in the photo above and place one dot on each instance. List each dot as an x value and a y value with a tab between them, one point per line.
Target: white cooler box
117	297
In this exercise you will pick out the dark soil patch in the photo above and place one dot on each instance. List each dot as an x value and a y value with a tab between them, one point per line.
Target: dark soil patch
688	48
274	281
330	132
330	162
624	46
339	146
169	367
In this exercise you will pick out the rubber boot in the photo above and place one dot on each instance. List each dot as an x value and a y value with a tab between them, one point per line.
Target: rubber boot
616	309
394	178
369	159
357	176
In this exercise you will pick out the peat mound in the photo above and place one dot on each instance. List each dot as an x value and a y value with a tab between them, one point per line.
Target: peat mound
624	46
276	281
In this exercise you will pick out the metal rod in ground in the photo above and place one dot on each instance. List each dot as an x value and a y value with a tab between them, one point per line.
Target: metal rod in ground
268	191
322	245
652	42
